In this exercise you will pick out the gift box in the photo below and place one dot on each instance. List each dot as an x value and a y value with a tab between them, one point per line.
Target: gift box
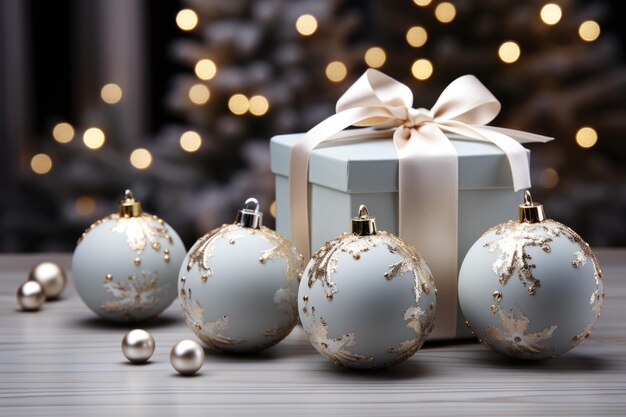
346	174
438	177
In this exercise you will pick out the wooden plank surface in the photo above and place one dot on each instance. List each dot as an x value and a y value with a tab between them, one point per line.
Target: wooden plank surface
63	361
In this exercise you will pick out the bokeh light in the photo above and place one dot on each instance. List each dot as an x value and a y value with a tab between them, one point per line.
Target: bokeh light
205	69
85	205
111	93
238	104
306	25
375	57
589	30
586	137
141	158
422	3
273	209
41	163
509	52
549	178
187	19
416	36
551	14
422	69
199	94
93	138
336	71
63	132
445	12
258	105
190	141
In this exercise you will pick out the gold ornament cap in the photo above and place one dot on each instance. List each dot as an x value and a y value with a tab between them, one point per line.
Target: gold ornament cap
129	207
363	224
250	216
530	212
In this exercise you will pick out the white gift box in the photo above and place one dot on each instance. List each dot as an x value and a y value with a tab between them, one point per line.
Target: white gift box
344	174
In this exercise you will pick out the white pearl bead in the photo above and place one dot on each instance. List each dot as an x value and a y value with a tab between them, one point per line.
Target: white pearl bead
51	277
138	346
187	357
30	295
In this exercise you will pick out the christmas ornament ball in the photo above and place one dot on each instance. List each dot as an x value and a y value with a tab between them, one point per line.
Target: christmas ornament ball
187	357
238	285
125	265
51	277
30	296
531	288
138	346
367	298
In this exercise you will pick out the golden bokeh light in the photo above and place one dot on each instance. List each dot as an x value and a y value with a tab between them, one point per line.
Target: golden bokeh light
93	138
187	19
258	105
549	178
63	132
111	93
336	71
85	205
422	69
199	94
551	14
375	57
41	163
445	12
416	36
238	104
306	25
141	158
273	209
205	69
190	141
509	52
589	30
586	137
422	3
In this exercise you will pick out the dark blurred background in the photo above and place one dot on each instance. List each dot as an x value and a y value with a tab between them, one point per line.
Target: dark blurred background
177	100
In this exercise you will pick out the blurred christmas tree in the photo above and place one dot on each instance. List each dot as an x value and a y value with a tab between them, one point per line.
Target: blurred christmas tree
265	67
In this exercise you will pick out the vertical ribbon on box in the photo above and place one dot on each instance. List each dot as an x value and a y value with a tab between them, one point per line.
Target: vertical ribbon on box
428	165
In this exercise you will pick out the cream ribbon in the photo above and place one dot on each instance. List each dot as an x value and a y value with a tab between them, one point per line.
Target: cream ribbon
428	165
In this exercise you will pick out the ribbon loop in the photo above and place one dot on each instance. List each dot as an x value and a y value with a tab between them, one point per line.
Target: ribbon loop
428	164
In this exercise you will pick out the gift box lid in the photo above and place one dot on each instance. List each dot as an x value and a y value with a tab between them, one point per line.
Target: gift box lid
358	165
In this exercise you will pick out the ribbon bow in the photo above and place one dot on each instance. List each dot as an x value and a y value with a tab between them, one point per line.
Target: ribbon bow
427	169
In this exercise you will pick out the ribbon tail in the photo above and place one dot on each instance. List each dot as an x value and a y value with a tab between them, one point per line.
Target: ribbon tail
299	168
514	151
428	206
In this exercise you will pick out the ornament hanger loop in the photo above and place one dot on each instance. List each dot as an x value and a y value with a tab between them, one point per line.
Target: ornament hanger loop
363	213
528	199
254	201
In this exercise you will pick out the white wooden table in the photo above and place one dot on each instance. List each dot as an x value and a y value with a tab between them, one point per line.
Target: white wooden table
63	361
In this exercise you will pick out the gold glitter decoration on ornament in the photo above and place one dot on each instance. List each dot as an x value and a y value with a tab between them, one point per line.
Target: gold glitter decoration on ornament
325	260
203	250
208	332
420	323
132	296
333	349
513	335
140	230
497	296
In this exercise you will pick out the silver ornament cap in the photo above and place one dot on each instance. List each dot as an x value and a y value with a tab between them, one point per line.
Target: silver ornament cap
250	216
